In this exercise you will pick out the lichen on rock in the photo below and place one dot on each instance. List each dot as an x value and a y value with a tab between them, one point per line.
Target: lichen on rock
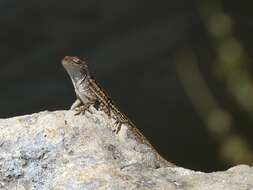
59	150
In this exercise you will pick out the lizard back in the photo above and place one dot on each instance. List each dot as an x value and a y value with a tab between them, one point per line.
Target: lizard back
109	106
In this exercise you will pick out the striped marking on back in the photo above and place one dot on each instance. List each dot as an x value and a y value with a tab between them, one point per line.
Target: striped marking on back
105	99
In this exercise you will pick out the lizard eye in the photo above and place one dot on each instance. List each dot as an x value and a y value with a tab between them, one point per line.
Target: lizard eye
76	60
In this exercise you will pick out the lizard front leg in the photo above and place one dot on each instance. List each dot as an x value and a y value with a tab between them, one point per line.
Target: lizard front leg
85	107
76	104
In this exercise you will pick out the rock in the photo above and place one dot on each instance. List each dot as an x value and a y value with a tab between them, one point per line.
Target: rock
58	150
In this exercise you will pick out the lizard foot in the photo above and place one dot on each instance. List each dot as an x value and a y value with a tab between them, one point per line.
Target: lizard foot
82	109
117	127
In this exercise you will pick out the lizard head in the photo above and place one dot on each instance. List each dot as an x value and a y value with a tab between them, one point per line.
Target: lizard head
75	67
73	62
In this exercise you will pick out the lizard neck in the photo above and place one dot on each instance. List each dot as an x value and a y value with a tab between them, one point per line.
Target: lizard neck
81	82
78	75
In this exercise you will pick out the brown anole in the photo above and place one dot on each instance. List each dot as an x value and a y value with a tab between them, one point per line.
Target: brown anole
89	92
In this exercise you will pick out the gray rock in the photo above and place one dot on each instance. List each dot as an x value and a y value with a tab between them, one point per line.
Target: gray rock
58	150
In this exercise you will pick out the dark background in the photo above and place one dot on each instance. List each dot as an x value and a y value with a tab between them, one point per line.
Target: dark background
181	70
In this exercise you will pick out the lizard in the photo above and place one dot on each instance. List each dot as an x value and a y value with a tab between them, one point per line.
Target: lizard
89	92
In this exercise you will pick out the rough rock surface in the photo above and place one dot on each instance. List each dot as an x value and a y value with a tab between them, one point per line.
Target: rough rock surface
58	150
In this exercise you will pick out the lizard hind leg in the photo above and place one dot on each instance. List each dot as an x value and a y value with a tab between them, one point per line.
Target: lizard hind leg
117	127
106	109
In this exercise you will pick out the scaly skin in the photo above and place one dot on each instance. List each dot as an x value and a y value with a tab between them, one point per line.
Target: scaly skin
89	92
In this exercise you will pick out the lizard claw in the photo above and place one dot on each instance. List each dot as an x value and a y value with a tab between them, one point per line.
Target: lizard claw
81	110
